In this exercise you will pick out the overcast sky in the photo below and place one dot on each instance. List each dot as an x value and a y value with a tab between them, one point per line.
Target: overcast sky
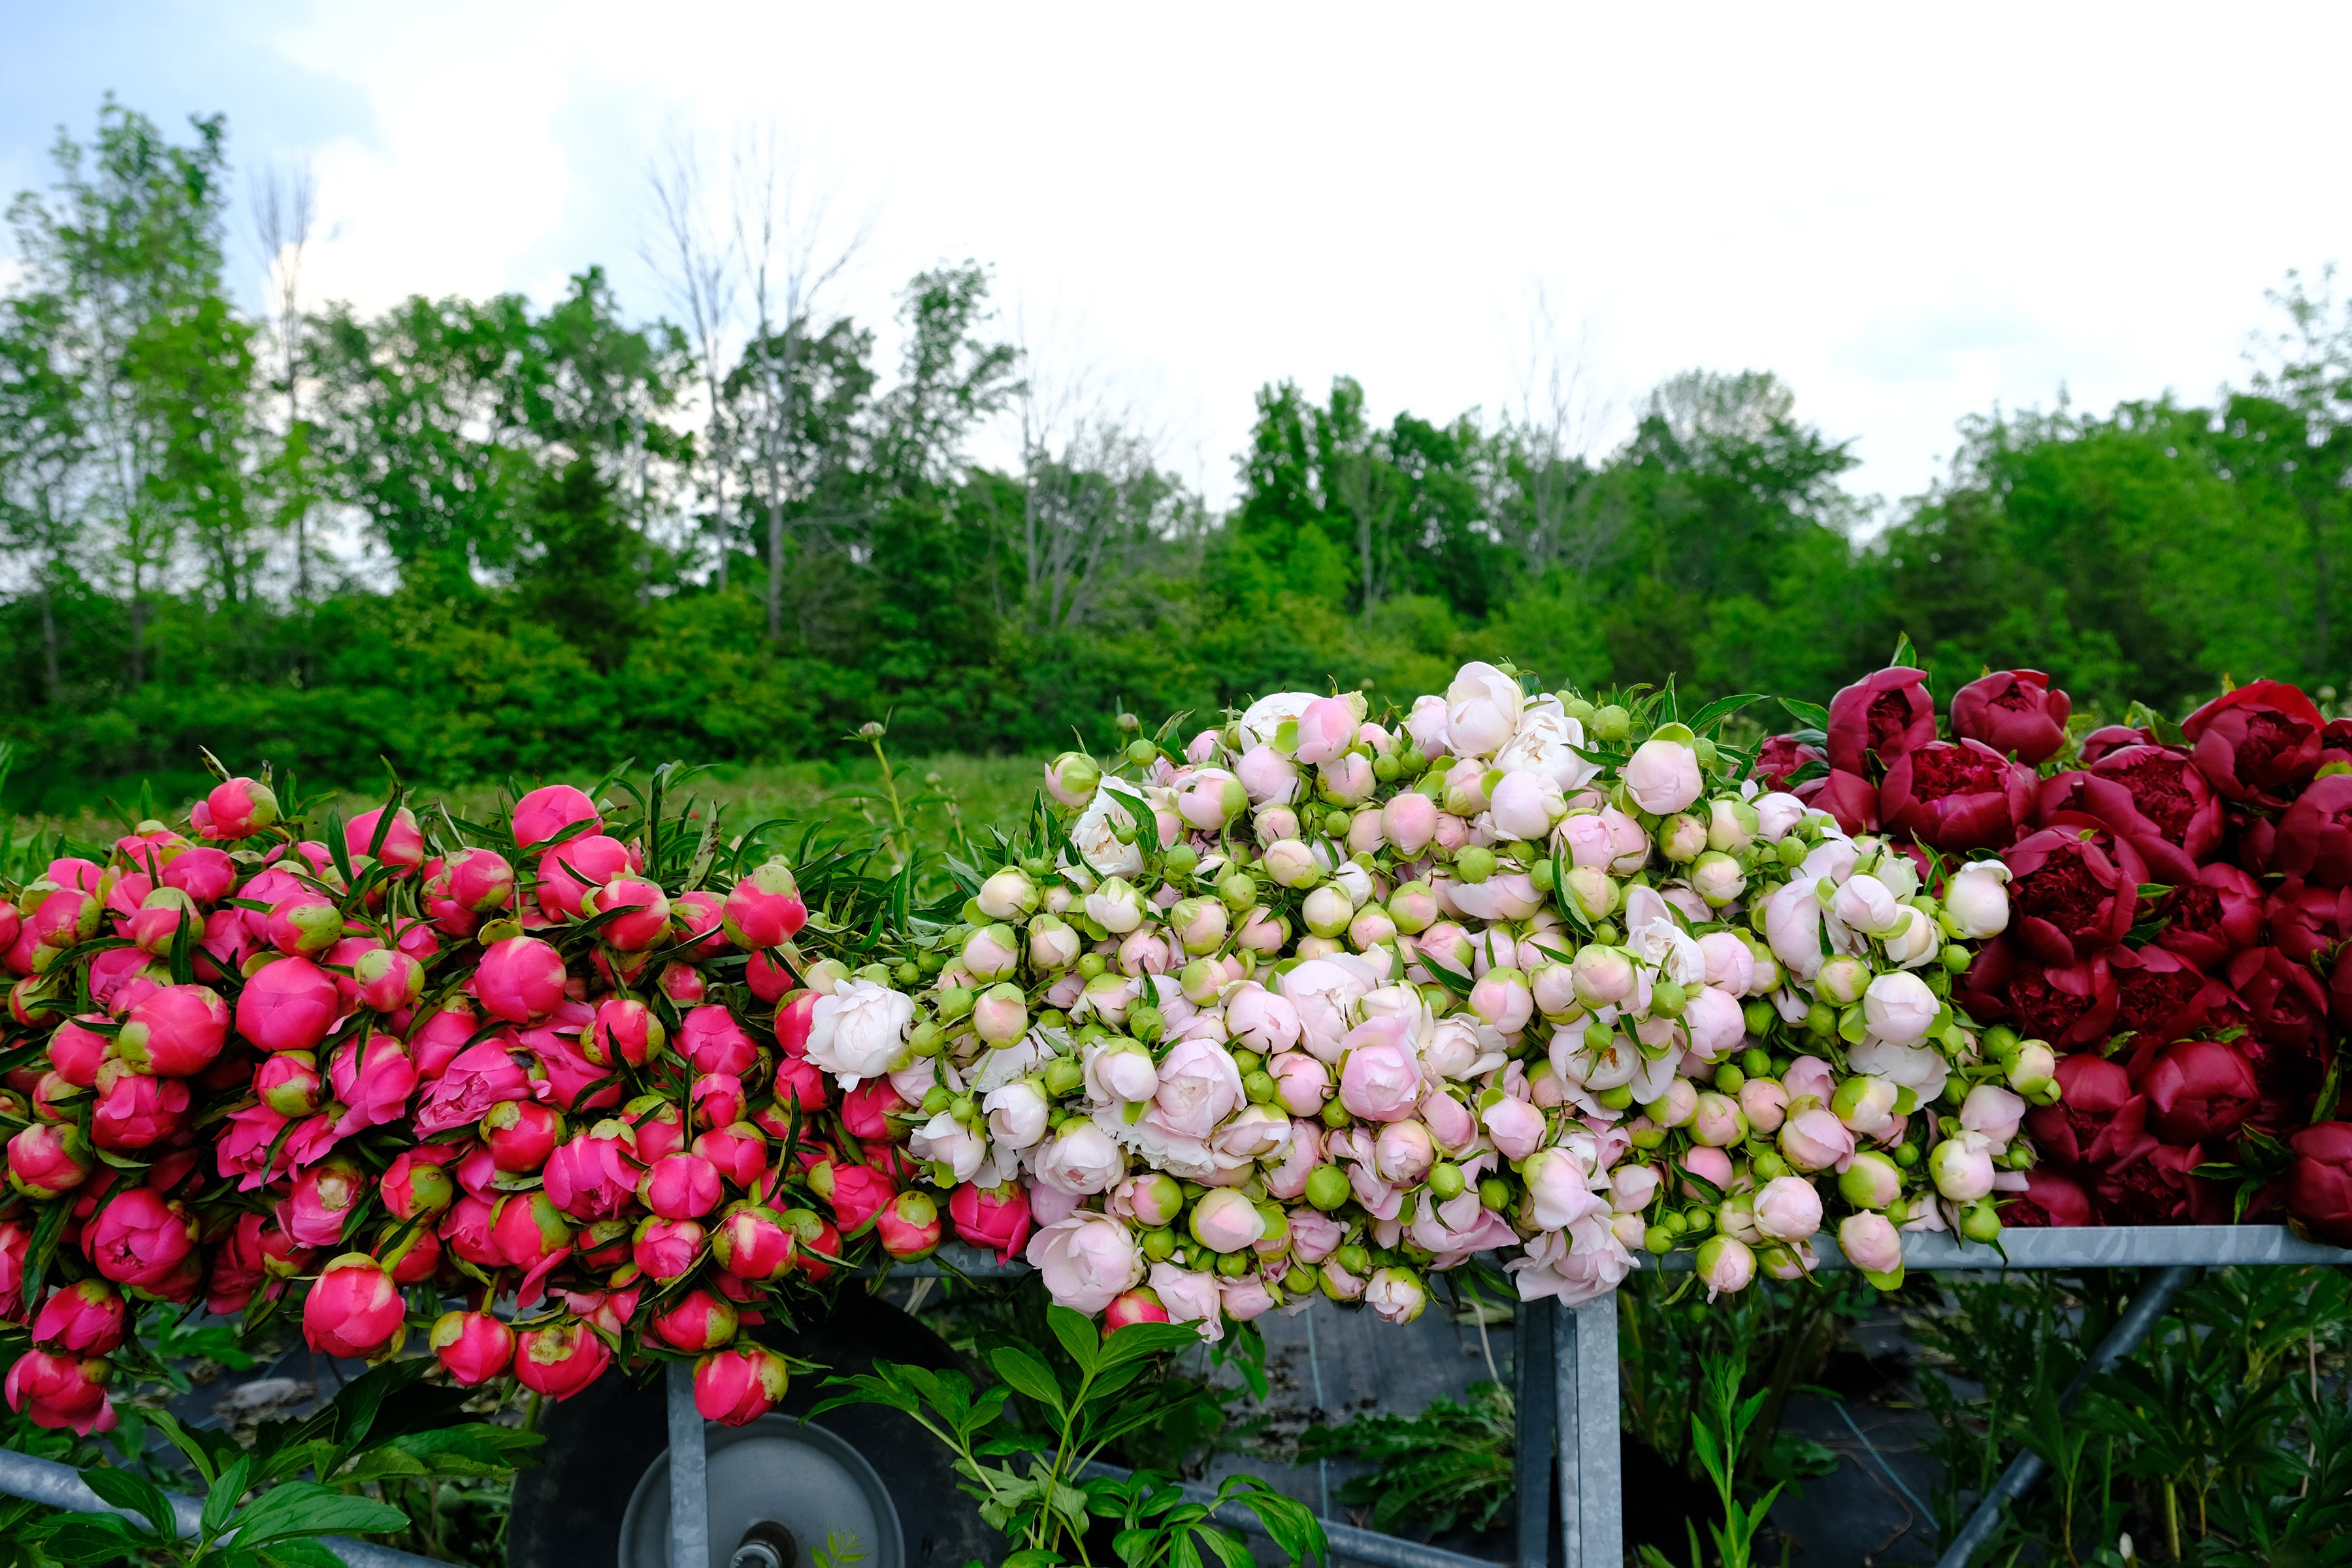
1910	214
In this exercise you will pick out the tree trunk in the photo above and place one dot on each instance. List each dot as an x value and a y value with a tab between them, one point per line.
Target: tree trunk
49	644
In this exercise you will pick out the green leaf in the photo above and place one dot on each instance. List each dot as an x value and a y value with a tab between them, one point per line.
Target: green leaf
87	1538
222	1497
1807	715
380	1464
1138	1339
1029	1375
136	1494
305	1507
1077	1333
299	1552
1722	708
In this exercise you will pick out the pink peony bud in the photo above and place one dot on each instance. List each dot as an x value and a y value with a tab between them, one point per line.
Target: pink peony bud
560	1360
521	1134
1226	1220
1403	1152
1726	1264
642	918
546	812
737	1151
475	1347
1900	1008
667	1248
1380	1078
1515	1126
1765	1104
1870	1181
205	875
304	923
175	1031
528	1230
1085	1261
1813	1139
61	1392
1155	1200
996	1218
624	1030
754	1243
354	1310
136	1110
1141	1305
1961	1167
711	1039
388	979
48	1160
402	844
680	1186
571	871
1787	1208
1992	1112
417	1184
288	1004
521	980
239	808
765	907
737	1385
695	1319
1871	1243
87	1318
908	1225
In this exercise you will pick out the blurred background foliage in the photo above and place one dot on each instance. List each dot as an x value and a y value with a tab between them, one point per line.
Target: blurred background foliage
474	538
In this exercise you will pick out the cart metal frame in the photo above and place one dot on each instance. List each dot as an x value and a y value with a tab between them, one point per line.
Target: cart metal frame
1569	1444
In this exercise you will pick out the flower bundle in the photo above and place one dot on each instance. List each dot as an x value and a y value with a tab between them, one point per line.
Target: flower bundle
1306	1003
1322	1003
411	1061
2181	914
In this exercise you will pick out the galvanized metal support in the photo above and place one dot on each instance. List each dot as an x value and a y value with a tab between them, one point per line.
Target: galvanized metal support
1592	1466
689	1474
2145	1309
1537	1410
61	1486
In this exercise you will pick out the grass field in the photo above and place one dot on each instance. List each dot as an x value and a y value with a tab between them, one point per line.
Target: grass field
935	793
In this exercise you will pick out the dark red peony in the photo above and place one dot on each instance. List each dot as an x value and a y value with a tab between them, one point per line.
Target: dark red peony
2163	804
1782	755
1850	797
2197	1089
2315	837
2158	1186
2099	1117
2049	1199
1956	795
2256	744
2161	995
2306	921
2014	712
2319	1182
2212	918
2108	738
2067	1005
1879	717
2074	891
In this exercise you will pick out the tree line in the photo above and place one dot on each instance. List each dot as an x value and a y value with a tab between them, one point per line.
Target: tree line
476	537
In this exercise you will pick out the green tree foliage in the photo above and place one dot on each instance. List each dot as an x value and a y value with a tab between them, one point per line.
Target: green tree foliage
550	553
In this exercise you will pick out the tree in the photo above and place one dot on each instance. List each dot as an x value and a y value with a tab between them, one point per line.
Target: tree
127	245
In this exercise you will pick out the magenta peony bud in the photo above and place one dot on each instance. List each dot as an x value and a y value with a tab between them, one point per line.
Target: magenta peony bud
710	1038
354	1310
417	1184
388	979
521	1134
696	1320
908	1225
239	808
1141	1305
737	1385
521	980
303	924
204	874
765	907
644	920
680	1186
136	1110
2013	711
546	812
402	844
48	1160
175	1032
87	1318
754	1243
63	1392
288	1004
667	1248
528	1230
560	1360
475	1347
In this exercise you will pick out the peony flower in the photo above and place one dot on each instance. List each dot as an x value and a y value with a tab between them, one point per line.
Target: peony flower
560	1360
1482	710
1080	1159
1871	1244
2013	712
1663	777
1396	1294
354	1310
1724	1263
2257	742
859	1030
1085	1261
1899	1008
1878	719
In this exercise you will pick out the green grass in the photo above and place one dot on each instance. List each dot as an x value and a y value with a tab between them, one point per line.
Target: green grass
935	795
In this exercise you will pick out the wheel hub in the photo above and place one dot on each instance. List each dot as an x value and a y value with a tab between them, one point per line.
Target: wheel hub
781	1491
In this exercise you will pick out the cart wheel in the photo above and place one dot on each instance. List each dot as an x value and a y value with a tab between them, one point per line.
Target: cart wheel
778	1487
